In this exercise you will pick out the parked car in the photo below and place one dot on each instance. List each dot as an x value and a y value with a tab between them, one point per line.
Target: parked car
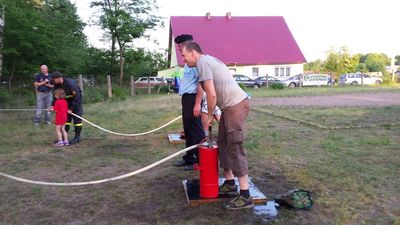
316	80
154	81
170	81
271	80
355	79
308	80
242	79
292	81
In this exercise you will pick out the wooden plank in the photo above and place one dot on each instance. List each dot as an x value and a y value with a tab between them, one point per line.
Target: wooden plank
193	199
175	139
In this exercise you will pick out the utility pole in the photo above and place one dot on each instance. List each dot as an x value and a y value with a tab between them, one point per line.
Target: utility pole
392	67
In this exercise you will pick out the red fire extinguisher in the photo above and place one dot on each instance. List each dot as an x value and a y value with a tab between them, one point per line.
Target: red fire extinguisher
208	167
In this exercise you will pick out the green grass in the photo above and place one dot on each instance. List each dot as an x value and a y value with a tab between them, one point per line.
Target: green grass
352	173
309	91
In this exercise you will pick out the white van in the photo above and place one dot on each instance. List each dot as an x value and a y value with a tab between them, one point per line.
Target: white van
316	80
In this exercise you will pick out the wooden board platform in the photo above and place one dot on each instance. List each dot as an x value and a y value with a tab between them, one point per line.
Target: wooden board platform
175	139
192	192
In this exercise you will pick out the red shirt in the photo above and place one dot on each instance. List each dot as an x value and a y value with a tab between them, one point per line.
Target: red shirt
61	109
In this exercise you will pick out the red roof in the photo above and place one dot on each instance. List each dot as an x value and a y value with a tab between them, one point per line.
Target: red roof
254	40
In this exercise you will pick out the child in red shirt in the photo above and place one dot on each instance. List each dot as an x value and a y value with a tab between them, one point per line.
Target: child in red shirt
61	109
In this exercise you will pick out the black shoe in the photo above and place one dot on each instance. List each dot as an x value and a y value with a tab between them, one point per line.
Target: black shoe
183	163
76	140
188	168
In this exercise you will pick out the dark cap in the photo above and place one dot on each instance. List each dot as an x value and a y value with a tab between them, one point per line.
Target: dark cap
56	74
183	38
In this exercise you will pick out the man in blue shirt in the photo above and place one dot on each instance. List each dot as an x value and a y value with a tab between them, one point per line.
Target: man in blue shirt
191	109
43	95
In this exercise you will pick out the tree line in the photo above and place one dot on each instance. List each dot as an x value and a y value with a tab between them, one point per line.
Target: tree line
341	61
35	32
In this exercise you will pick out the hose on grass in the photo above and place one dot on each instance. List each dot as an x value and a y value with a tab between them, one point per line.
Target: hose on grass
123	134
103	129
103	180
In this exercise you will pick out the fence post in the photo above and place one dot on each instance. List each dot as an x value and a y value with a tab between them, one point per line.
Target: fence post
148	85
300	80
132	86
266	84
80	82
109	89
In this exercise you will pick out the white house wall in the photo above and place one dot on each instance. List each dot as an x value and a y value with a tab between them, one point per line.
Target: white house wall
263	70
174	57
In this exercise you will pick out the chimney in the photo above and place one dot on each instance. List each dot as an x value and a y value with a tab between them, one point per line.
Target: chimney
229	15
208	16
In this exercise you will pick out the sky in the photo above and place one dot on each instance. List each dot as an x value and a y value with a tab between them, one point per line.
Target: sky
363	26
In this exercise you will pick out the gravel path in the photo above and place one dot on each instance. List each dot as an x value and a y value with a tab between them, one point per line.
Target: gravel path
349	99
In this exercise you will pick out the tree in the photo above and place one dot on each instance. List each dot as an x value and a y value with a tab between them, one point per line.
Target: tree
316	66
41	32
376	62
397	58
124	21
341	61
143	63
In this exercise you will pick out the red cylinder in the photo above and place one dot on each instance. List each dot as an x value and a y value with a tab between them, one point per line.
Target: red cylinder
208	166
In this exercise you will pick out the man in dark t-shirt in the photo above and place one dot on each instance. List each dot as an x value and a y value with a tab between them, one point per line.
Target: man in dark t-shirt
43	95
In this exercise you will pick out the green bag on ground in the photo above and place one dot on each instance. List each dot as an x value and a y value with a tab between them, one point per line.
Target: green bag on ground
297	198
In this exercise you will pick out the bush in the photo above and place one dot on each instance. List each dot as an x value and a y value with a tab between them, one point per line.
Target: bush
5	97
24	95
94	94
276	86
164	89
242	86
119	93
387	78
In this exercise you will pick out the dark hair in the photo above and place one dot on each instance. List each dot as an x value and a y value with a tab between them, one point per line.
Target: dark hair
193	46
183	38
56	74
60	92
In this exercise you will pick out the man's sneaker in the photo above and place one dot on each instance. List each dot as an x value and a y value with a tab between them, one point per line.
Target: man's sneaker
240	202
66	143
226	189
48	123
37	124
59	144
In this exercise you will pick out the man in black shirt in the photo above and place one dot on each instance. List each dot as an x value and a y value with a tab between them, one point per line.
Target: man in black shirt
74	98
43	95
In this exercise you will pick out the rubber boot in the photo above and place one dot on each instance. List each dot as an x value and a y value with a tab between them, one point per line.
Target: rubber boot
77	137
67	128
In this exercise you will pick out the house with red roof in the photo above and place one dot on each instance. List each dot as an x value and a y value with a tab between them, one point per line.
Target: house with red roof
249	45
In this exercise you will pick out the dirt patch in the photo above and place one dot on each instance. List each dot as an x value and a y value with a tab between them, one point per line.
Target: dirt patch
349	99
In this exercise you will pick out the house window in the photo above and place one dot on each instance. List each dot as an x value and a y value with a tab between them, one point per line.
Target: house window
282	71
255	71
